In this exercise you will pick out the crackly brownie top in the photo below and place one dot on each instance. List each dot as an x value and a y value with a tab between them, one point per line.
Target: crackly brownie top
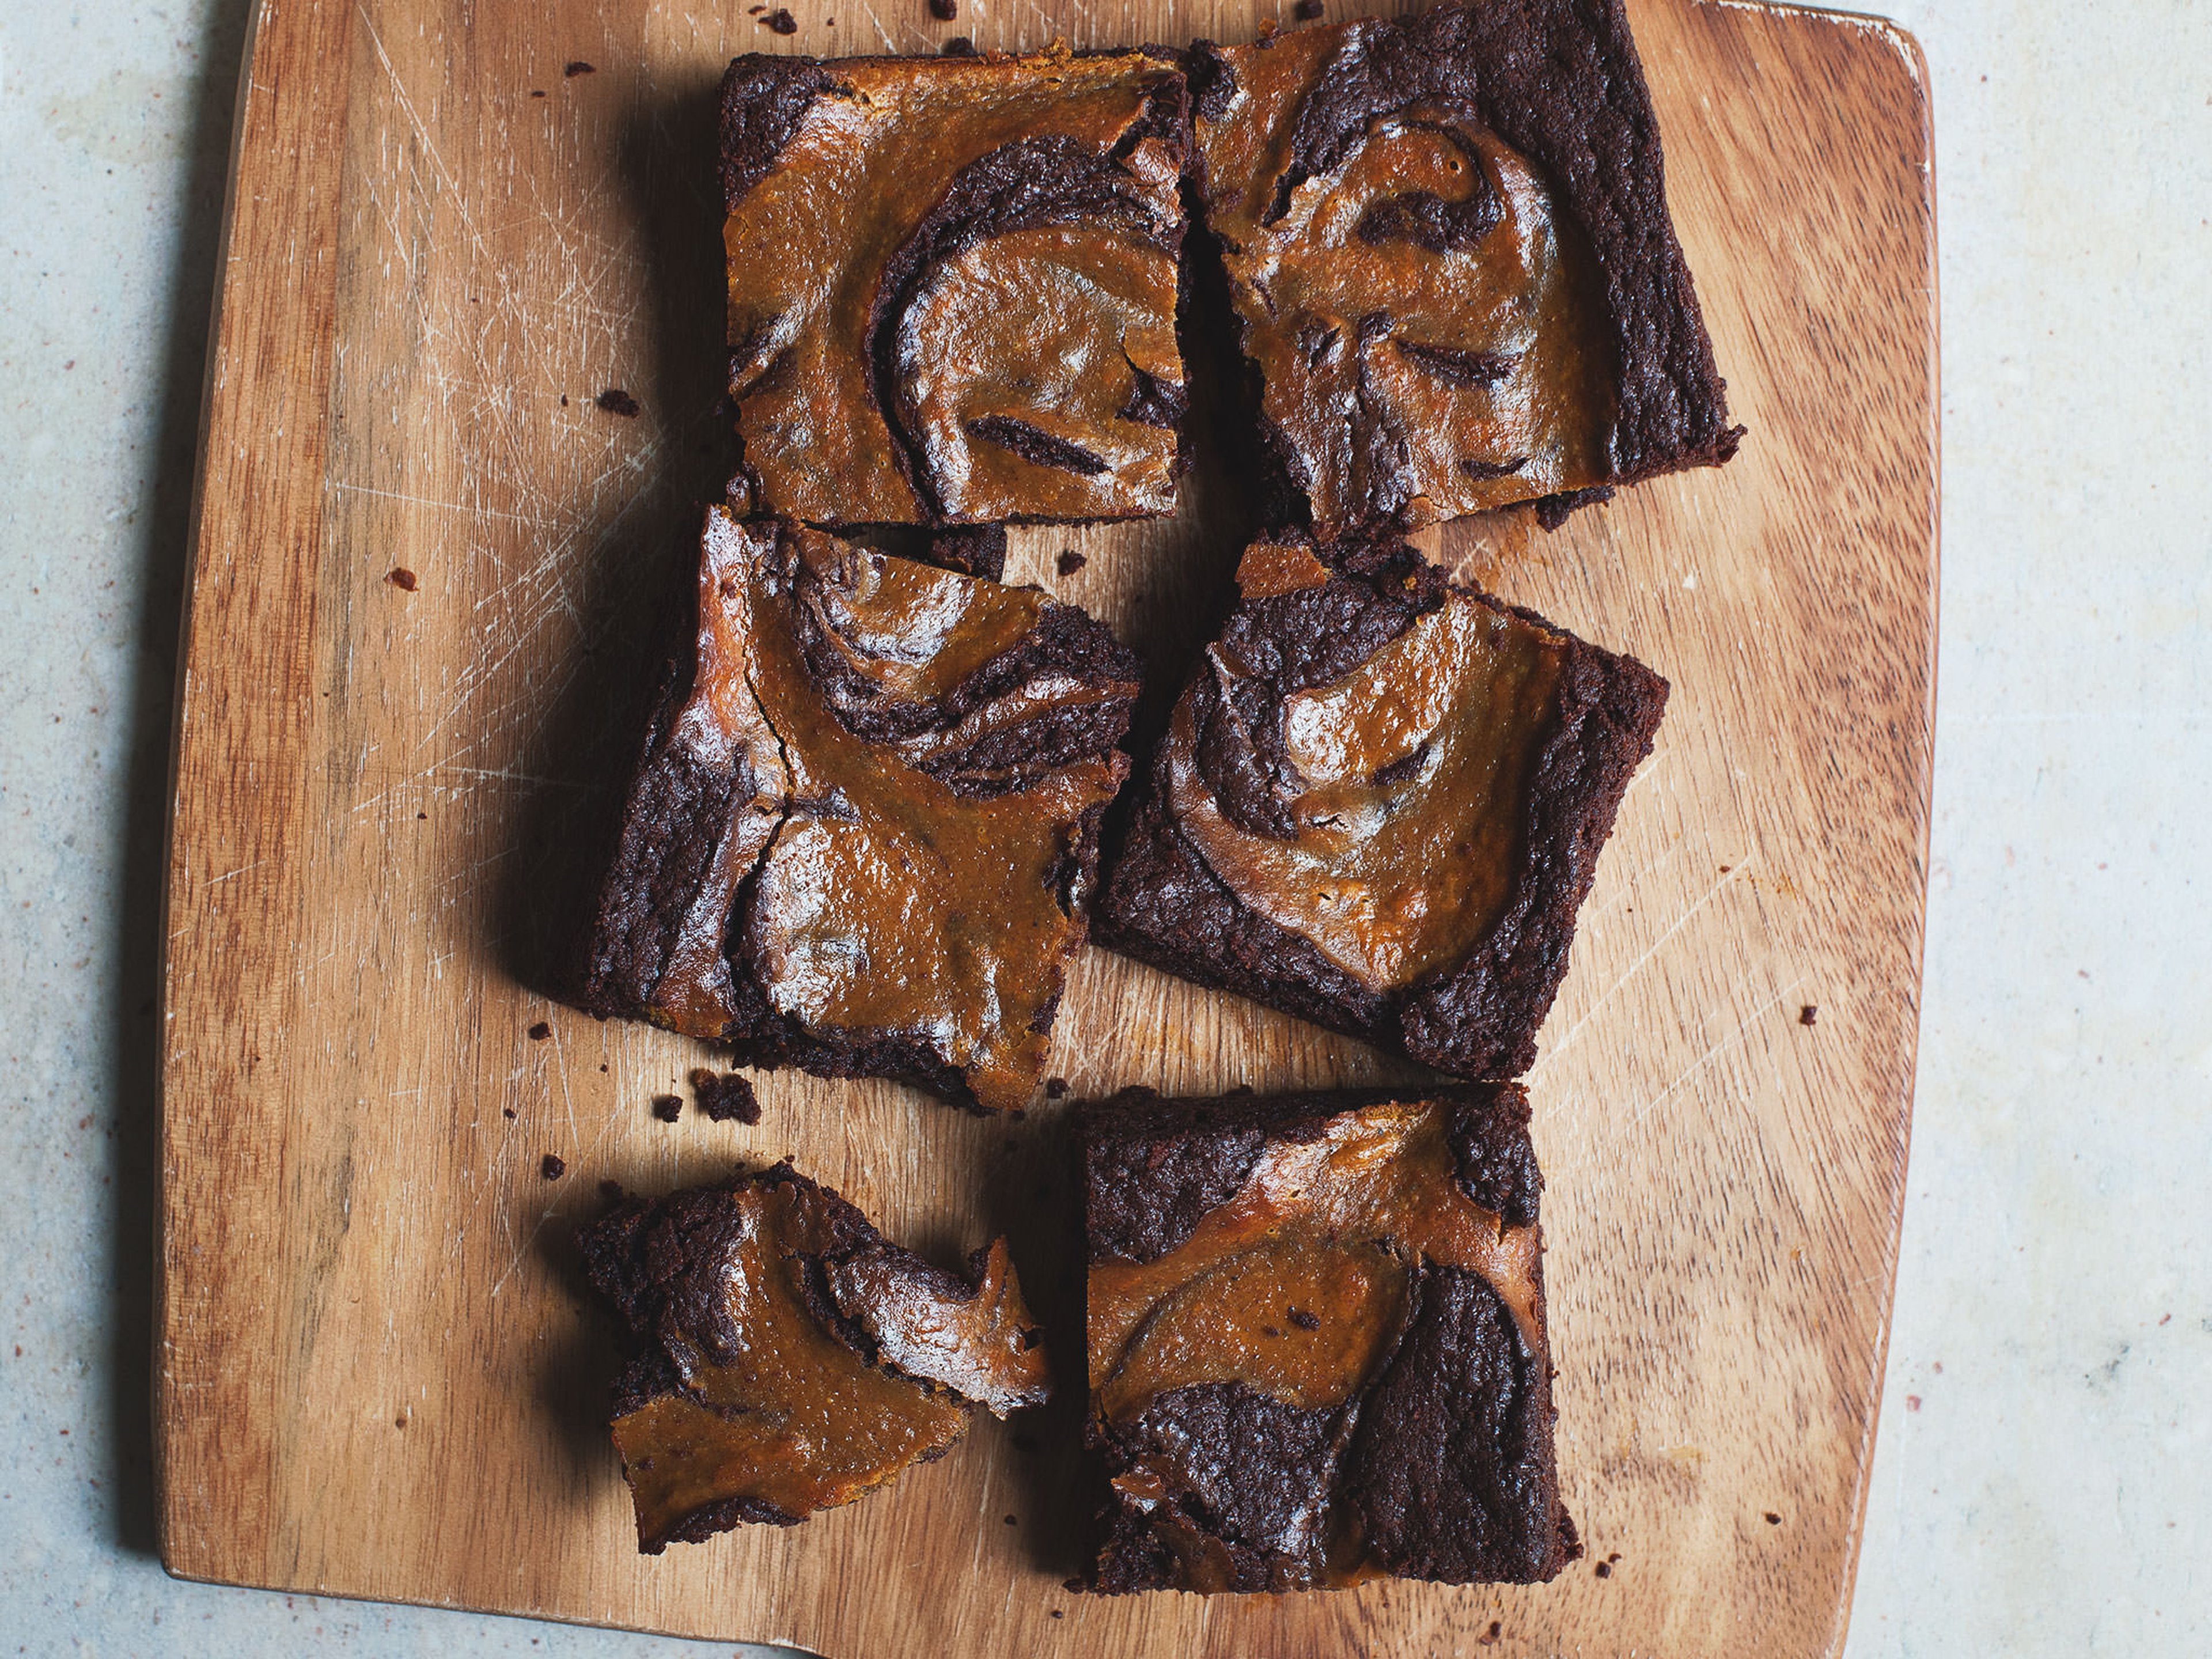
788	1357
1258	1267
919	757
1353	757
952	284
1447	240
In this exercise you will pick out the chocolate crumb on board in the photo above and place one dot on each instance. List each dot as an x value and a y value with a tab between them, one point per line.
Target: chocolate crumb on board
614	400
781	22
507	1111
1489	1638
945	10
1069	562
668	1107
961	46
540	1031
1306	10
403	579
1808	1014
1054	1087
725	1099
1603	1568
1772	1519
578	67
552	1166
537	92
1011	1522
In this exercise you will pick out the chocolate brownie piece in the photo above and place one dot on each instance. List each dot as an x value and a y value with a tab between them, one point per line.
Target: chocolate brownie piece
1379	804
1316	1337
784	1358
953	285
1448	243
863	835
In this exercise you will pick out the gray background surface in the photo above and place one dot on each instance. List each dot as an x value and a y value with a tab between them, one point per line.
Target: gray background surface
2039	1486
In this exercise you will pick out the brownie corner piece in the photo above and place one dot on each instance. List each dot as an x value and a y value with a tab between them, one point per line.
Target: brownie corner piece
785	1357
1379	804
863	835
953	285
1452	262
1320	1354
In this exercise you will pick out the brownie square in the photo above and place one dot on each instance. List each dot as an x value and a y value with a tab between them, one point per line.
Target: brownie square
1450	253
953	285
863	835
1379	804
784	1358
1316	1337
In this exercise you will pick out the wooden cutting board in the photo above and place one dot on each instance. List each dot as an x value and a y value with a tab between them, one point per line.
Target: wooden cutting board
379	1375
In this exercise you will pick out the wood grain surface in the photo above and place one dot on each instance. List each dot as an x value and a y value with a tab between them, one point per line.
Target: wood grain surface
378	1375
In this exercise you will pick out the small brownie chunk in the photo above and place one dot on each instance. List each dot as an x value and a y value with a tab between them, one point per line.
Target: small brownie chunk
1450	252
953	285
864	832
1379	804
726	1099
1317	1344
785	1358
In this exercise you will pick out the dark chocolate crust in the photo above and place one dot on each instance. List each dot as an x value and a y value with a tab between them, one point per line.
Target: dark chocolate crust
683	796
1559	81
1441	1467
1475	1018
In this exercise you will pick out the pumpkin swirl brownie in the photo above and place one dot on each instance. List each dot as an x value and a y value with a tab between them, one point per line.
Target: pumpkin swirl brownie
1316	1338
1449	250
863	835
953	285
1379	804
785	1359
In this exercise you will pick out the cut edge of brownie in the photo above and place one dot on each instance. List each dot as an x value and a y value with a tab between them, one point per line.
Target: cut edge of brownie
1458	1404
1162	903
1540	64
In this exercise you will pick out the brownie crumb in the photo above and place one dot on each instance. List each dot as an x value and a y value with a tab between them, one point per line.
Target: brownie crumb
540	1031
1011	1522
507	1111
725	1099
579	67
1808	1014
536	92
1772	1519
553	1166
961	46
1057	1613
1603	1568
1070	562
614	400
611	1190
1054	1087
945	10
668	1107
421	814
1073	1586
403	579
1306	10
781	22
1303	1320
1489	1638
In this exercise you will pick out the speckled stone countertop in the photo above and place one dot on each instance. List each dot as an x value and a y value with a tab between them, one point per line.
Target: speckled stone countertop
2040	1484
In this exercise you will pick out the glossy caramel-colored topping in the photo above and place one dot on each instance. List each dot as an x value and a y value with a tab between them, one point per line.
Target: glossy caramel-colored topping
883	901
1293	1286
952	293
775	1410
1429	322
1413	770
982	1346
